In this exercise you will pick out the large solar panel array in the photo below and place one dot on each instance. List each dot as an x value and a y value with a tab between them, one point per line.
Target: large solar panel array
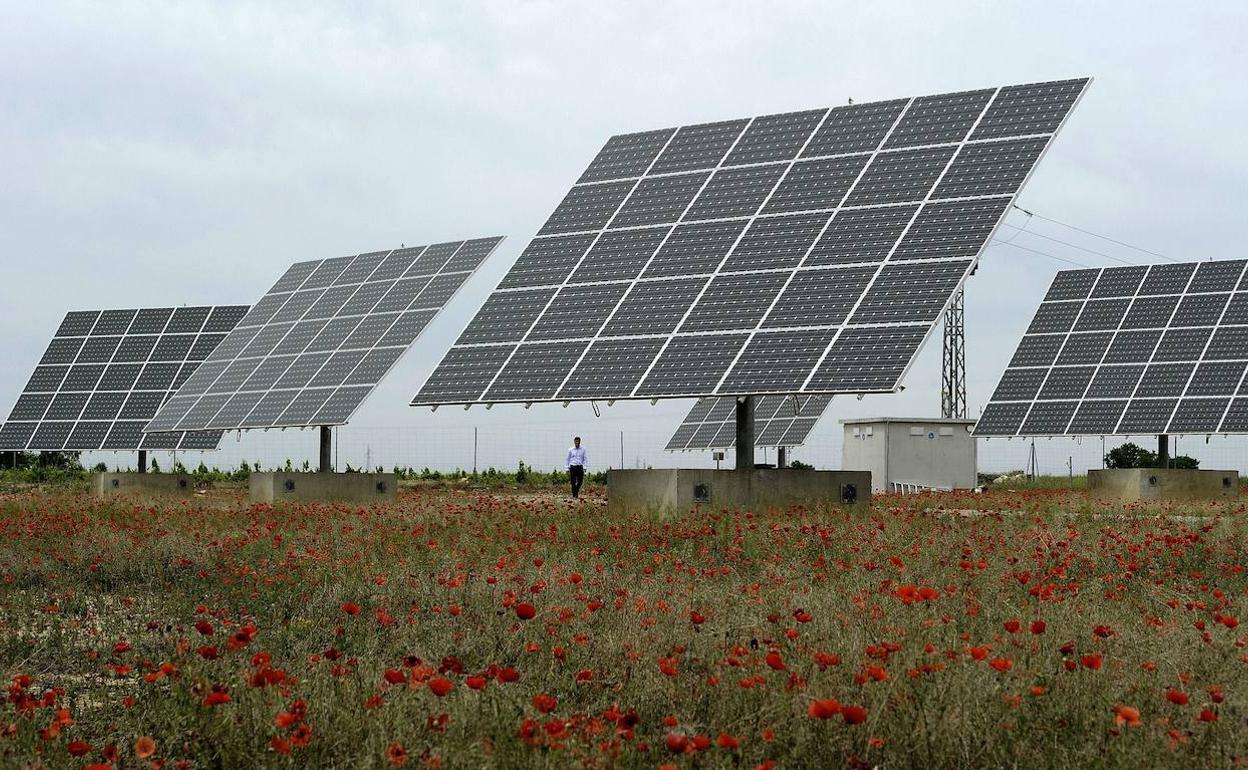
802	252
1131	350
107	372
779	421
321	339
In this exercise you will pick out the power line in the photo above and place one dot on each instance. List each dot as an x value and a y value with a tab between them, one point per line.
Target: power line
1067	243
995	242
1094	235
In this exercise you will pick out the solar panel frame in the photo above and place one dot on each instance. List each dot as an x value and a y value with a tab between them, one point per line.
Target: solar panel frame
1173	360
711	422
114	369
306	355
587	209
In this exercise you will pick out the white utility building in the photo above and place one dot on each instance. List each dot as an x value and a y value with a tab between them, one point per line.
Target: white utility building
907	454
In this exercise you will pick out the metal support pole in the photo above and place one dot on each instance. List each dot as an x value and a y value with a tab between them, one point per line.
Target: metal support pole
1163	450
745	433
474	451
953	370
782	457
142	461
326	442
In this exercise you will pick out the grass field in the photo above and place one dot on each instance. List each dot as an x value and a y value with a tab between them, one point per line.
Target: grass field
470	628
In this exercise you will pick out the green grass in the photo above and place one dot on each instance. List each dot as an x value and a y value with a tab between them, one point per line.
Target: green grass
438	576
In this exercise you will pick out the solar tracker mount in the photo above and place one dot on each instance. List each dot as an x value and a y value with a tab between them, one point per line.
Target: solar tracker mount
808	252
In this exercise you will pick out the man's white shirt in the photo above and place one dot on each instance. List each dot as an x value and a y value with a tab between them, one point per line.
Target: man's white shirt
576	456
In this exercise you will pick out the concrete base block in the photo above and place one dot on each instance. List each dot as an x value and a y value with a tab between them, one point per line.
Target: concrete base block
323	487
675	489
1130	484
142	485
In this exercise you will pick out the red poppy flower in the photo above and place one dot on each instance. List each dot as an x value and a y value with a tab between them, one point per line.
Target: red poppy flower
1177	697
301	736
726	741
1001	664
525	611
1038	626
440	686
774	661
204	627
1012	625
351	608
475	682
78	748
853	715
394	676
676	743
508	675
396	754
545	703
1092	661
1126	715
144	747
825	708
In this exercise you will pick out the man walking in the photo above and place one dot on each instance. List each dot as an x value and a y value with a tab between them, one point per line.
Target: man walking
576	463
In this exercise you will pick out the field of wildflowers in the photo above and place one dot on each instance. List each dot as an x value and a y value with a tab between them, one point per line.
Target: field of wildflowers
470	628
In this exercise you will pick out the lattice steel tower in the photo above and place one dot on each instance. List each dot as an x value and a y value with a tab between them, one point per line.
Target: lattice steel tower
953	370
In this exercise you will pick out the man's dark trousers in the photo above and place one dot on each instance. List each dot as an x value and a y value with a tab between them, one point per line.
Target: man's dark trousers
577	475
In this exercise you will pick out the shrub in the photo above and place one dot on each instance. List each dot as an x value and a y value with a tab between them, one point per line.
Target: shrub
1134	456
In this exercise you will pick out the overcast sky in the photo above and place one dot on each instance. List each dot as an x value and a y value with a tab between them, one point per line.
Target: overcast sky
187	153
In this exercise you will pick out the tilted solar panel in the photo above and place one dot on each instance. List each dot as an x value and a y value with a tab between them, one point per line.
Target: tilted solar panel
107	372
1130	350
779	421
321	339
806	252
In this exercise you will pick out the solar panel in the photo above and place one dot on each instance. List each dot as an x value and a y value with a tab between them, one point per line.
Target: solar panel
1130	350
107	372
804	252
778	421
312	349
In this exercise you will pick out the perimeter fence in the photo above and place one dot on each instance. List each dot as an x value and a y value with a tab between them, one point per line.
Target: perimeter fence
469	447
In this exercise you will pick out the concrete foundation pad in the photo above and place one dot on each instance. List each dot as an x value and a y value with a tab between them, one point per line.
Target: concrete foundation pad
1130	484
674	489
323	487
142	485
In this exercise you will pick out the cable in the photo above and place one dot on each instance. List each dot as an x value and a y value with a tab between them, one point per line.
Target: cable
1071	245
1020	230
1094	235
995	242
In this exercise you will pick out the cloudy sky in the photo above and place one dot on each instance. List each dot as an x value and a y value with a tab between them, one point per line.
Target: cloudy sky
187	153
